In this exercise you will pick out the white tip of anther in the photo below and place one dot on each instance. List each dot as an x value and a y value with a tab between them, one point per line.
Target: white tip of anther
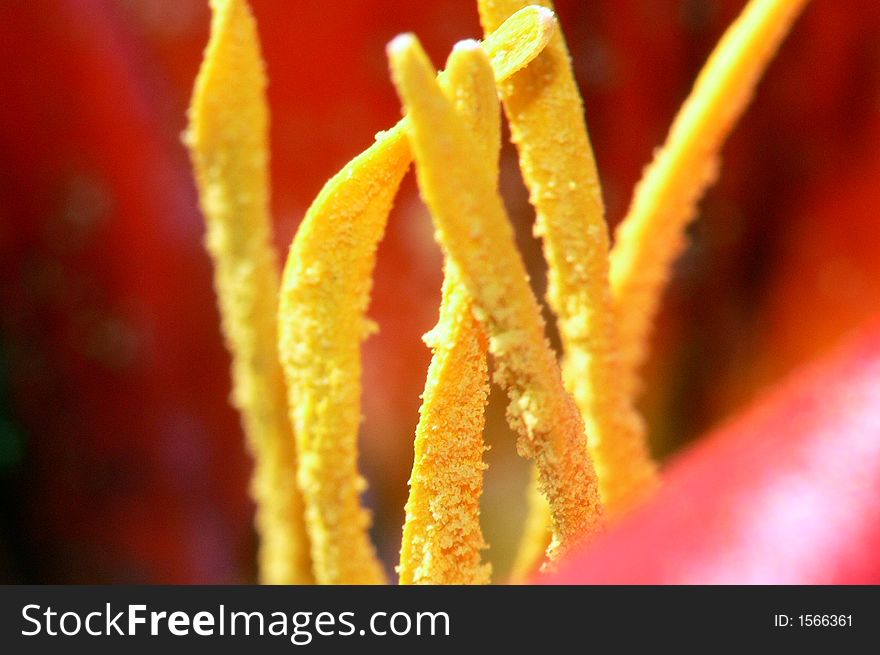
466	45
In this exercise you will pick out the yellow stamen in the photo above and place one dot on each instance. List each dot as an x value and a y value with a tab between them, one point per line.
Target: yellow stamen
653	233
325	292
227	138
469	85
442	539
547	125
476	235
515	42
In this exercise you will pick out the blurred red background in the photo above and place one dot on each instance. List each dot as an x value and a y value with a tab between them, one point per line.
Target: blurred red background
120	457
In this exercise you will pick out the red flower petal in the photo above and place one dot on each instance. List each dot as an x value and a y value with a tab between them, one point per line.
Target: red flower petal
788	493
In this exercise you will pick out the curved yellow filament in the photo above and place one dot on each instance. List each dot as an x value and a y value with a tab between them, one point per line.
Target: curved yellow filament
546	118
545	112
474	231
652	234
442	540
325	292
227	138
324	297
